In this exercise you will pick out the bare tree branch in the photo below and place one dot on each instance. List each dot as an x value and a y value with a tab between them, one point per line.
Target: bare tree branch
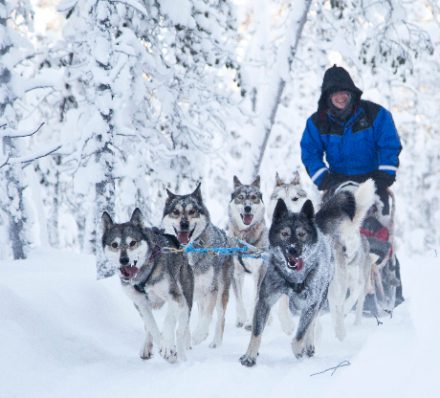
18	134
33	157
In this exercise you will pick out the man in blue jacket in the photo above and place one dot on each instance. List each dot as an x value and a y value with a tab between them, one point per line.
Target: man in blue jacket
350	139
357	137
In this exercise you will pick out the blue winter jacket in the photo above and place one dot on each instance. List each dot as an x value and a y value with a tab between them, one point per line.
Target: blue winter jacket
366	142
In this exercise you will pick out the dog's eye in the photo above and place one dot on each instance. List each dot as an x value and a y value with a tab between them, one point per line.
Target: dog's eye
191	212
301	234
133	243
240	197
254	198
175	212
115	245
285	233
295	199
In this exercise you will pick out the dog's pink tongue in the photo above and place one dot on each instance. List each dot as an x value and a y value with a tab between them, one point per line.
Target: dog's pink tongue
183	237
247	219
296	263
129	271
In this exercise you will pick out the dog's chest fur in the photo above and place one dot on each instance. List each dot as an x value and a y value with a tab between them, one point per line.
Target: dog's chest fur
256	235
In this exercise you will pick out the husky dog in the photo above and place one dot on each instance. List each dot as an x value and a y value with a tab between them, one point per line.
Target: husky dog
246	222
291	192
151	278
187	217
351	281
294	196
300	264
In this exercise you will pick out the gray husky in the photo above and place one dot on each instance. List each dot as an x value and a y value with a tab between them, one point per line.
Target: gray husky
151	277
300	264
187	217
246	222
294	196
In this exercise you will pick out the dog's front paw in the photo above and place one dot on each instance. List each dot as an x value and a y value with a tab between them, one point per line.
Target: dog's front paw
168	353
214	344
147	351
298	348
248	327
310	350
247	360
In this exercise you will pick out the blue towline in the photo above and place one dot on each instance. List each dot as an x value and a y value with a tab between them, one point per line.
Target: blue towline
224	251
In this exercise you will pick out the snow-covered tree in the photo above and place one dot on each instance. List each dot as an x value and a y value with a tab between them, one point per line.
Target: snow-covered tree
12	14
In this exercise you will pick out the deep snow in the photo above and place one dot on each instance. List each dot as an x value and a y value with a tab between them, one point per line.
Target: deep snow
64	334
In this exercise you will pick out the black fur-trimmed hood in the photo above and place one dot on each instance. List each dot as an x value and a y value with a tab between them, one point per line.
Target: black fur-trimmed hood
335	79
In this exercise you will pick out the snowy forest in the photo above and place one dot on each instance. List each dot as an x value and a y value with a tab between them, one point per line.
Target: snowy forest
105	103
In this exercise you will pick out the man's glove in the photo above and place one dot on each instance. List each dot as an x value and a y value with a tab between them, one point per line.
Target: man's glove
383	179
326	182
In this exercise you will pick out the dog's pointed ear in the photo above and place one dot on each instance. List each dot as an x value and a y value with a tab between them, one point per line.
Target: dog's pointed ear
278	181
237	182
198	192
280	210
106	220
137	218
307	209
170	194
256	182
296	180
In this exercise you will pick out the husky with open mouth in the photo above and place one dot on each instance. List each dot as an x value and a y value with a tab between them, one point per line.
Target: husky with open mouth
151	277
294	195
246	223
300	264
187	217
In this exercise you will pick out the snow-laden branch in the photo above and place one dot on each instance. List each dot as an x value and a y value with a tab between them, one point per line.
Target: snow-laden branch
4	161
29	158
36	155
133	4
23	133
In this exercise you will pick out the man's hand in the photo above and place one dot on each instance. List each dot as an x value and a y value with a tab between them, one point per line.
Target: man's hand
383	179
327	181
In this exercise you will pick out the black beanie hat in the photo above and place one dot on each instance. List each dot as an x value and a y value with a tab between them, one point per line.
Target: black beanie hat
335	79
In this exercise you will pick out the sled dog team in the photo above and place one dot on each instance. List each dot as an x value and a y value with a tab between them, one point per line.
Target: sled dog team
307	257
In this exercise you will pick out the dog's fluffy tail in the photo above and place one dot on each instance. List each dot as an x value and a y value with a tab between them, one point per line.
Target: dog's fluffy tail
364	197
335	210
347	206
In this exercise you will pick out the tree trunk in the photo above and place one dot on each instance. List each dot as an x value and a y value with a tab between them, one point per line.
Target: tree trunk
280	82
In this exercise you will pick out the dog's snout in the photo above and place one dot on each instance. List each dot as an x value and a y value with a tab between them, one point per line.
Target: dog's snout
292	251
247	209
184	224
124	260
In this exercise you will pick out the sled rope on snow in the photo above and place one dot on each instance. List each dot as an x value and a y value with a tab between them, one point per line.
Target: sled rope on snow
246	250
334	368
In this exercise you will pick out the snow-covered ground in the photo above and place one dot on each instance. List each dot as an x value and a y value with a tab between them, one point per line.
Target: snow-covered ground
64	334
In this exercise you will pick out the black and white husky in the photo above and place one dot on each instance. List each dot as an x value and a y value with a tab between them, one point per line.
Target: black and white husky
151	278
352	278
188	219
300	264
246	223
294	196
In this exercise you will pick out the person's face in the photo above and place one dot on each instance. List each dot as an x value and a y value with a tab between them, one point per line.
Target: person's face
340	99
